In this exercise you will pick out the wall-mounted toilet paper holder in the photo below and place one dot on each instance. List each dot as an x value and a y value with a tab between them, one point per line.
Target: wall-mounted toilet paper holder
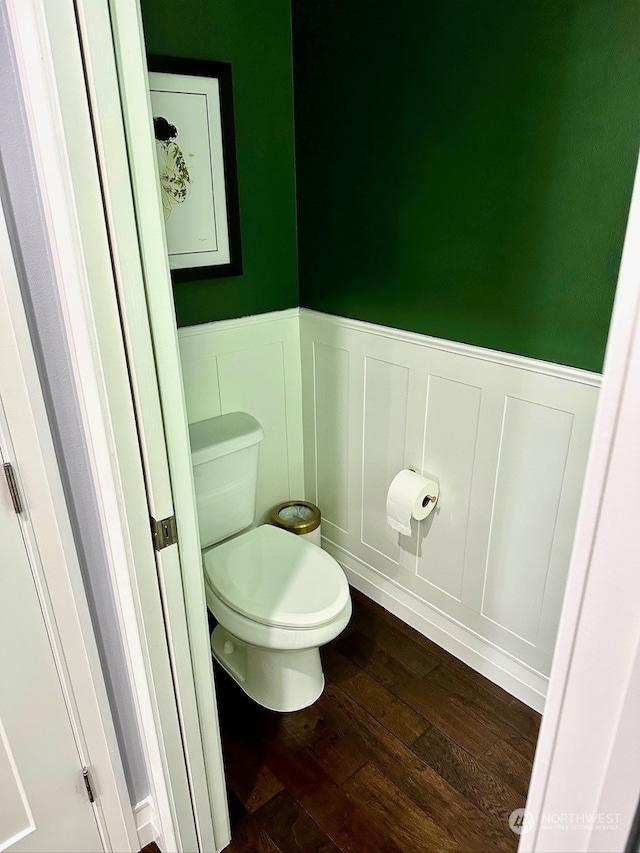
428	498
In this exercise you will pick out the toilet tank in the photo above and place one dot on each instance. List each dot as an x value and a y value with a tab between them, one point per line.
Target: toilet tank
224	456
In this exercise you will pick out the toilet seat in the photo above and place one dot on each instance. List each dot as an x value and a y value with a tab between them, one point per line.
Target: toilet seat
277	579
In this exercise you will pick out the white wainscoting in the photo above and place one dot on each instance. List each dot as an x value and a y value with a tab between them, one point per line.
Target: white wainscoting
252	365
506	436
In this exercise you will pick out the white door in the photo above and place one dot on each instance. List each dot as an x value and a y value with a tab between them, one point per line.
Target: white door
44	805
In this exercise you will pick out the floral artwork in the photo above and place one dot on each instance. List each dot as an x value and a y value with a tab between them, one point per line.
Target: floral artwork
174	175
193	126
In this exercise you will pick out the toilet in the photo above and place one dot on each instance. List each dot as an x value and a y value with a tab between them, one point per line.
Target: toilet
277	597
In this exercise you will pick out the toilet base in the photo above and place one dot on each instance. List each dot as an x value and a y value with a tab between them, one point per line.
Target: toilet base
279	680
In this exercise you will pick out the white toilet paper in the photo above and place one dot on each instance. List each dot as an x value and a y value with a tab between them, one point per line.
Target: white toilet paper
408	497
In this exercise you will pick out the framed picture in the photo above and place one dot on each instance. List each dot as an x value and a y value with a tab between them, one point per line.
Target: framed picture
192	104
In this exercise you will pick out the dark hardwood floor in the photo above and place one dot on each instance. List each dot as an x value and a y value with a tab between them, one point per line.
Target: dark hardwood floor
406	751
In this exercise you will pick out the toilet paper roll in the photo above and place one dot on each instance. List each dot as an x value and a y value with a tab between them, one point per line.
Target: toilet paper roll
410	496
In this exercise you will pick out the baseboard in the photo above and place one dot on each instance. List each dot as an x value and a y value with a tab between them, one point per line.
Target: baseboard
146	820
512	675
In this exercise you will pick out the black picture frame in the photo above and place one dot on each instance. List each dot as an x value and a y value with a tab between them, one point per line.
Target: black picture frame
212	81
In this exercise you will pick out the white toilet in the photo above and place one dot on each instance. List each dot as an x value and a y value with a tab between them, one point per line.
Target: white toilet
276	596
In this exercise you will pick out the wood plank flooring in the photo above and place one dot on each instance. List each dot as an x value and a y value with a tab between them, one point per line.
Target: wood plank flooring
406	751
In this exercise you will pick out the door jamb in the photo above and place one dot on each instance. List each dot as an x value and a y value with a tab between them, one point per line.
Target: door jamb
116	55
101	383
586	758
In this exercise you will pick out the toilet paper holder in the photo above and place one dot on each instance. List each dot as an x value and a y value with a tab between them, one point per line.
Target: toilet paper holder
427	498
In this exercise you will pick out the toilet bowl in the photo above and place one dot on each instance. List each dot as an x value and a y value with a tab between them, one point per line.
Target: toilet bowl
277	598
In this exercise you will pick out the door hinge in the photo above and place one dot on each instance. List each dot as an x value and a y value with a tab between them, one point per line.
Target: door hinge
87	784
12	482
164	532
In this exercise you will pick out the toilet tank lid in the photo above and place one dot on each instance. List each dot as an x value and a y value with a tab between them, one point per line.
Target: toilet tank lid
223	435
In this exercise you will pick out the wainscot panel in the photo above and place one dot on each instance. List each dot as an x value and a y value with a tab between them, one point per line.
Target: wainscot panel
507	437
252	365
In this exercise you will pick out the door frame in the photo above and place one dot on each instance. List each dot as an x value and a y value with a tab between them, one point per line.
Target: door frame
113	51
67	70
116	73
588	753
42	31
48	537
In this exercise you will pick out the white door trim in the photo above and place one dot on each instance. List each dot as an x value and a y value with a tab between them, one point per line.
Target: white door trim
87	297
124	135
48	536
588	756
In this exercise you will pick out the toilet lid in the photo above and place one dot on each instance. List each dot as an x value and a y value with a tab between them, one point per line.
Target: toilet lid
277	578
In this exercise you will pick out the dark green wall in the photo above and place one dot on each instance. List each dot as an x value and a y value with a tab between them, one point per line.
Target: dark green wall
465	168
255	36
